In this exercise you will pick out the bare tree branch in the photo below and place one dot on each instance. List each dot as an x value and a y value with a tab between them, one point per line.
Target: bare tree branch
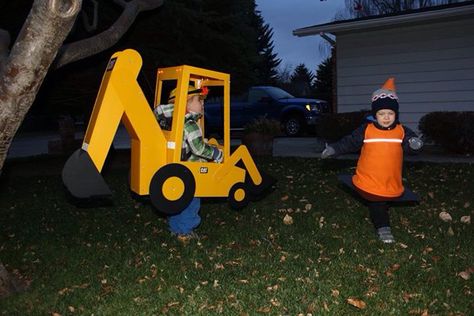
91	25
93	45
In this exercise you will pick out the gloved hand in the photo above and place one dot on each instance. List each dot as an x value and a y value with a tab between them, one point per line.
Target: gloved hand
217	155
415	143
328	152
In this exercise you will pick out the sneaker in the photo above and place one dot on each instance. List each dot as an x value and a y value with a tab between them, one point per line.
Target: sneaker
385	235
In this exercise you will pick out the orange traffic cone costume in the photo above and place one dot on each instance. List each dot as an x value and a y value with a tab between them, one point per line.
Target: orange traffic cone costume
378	176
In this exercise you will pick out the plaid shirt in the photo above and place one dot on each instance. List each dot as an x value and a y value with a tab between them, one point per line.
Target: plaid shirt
194	147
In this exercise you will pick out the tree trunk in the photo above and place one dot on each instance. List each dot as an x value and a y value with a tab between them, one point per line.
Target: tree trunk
23	71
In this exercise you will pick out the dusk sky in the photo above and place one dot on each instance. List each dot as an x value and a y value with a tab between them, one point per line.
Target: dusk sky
286	15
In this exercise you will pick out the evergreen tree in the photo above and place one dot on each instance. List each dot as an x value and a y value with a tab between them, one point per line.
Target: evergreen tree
323	83
267	68
301	81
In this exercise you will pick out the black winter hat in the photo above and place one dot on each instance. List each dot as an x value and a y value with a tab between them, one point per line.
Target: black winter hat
385	97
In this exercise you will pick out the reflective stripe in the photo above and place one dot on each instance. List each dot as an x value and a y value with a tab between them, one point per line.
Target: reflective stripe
85	146
382	140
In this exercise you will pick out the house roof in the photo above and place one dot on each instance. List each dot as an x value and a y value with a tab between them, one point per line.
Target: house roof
406	17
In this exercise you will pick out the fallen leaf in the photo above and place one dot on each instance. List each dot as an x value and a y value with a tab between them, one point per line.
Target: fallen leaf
308	207
335	293
284	198
467	204
266	309
356	302
445	216
288	220
408	296
450	231
431	195
465	275
466	219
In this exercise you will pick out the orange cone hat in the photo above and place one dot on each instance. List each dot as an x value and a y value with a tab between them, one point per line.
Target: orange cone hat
389	84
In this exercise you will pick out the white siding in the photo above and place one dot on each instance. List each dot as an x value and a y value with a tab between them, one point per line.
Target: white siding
433	66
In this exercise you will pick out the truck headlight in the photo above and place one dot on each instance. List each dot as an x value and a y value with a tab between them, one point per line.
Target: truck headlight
312	107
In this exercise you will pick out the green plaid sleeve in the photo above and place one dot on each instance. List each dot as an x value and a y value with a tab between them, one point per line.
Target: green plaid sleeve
194	139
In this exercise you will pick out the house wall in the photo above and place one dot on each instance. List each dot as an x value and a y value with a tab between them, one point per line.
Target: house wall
433	66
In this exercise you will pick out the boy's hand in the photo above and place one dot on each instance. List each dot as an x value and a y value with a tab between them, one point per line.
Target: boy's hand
415	143
218	155
327	152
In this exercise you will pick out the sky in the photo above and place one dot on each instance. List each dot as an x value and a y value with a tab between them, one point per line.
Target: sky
284	16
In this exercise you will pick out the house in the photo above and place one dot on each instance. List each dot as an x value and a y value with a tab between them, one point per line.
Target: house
429	51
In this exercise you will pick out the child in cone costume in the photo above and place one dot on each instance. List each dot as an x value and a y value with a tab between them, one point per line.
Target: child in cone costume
378	176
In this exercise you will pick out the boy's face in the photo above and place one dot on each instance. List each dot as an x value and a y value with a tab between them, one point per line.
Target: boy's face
385	117
195	104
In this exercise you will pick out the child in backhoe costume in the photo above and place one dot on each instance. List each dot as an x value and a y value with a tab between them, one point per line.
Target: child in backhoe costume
194	149
378	177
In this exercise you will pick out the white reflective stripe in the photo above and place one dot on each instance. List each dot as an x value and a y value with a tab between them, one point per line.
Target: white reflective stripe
171	145
383	140
85	146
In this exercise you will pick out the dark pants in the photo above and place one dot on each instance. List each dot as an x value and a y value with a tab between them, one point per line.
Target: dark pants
379	216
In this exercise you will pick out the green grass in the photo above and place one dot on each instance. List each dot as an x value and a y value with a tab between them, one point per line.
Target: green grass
121	260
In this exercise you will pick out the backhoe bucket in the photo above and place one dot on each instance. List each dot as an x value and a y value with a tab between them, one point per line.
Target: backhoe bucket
258	192
82	179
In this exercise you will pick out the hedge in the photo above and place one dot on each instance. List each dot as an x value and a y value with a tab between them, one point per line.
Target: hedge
454	131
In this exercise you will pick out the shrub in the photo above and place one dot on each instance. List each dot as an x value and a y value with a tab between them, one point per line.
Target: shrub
454	131
332	127
263	125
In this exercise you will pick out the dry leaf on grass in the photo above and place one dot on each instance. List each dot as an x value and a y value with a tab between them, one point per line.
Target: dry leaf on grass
466	275
356	302
284	198
288	220
445	216
466	219
450	231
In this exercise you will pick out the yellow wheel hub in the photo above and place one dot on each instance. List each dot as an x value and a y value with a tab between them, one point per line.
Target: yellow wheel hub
173	188
239	195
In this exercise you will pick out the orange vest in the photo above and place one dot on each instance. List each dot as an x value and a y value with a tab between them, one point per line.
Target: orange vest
379	169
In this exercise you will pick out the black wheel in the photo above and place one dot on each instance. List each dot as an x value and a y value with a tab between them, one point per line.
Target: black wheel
238	196
172	188
293	125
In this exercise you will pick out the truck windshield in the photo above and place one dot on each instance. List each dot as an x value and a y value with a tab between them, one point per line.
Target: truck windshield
278	93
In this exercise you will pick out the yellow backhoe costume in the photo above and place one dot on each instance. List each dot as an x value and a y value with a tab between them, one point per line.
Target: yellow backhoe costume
156	166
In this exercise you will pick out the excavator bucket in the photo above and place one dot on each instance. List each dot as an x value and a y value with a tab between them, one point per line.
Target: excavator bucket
82	179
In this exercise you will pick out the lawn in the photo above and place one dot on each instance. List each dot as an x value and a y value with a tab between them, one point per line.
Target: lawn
323	259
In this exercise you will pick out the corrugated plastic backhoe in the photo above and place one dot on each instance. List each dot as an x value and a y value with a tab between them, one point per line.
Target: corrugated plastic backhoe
156	166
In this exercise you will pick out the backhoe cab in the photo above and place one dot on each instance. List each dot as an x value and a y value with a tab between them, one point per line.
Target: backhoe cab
156	166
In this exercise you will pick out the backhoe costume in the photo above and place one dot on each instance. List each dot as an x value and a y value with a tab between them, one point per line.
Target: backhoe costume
378	176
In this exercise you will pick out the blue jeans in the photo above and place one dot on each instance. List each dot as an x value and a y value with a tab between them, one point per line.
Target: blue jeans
187	220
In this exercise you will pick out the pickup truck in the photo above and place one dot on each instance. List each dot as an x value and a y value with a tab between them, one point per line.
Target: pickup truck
296	115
